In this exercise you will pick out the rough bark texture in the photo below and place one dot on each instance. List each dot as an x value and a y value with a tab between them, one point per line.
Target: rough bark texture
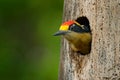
103	63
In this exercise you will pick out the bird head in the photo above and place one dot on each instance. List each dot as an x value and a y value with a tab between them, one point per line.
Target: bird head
70	26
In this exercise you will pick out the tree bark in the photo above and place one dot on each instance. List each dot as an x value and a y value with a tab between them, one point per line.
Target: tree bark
103	63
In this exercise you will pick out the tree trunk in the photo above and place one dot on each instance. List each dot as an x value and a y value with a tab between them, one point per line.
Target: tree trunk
103	63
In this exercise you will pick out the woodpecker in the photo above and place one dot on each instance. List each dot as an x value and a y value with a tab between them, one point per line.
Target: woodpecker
78	34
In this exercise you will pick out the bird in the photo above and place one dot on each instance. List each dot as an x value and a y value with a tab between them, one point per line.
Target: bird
78	34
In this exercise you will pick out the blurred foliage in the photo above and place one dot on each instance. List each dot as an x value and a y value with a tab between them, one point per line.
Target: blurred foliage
28	51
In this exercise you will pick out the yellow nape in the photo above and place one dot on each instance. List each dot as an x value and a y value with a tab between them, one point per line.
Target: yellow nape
64	27
77	23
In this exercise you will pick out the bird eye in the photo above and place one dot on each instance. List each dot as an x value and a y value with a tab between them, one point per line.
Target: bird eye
72	27
76	28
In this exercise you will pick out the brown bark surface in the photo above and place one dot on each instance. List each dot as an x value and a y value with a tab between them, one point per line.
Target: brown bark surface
103	63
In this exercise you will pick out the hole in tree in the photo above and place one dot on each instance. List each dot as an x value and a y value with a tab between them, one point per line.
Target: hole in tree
83	20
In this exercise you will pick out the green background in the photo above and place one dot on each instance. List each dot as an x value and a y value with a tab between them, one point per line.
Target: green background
28	49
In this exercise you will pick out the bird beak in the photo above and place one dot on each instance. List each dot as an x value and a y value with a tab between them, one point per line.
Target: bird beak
60	33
